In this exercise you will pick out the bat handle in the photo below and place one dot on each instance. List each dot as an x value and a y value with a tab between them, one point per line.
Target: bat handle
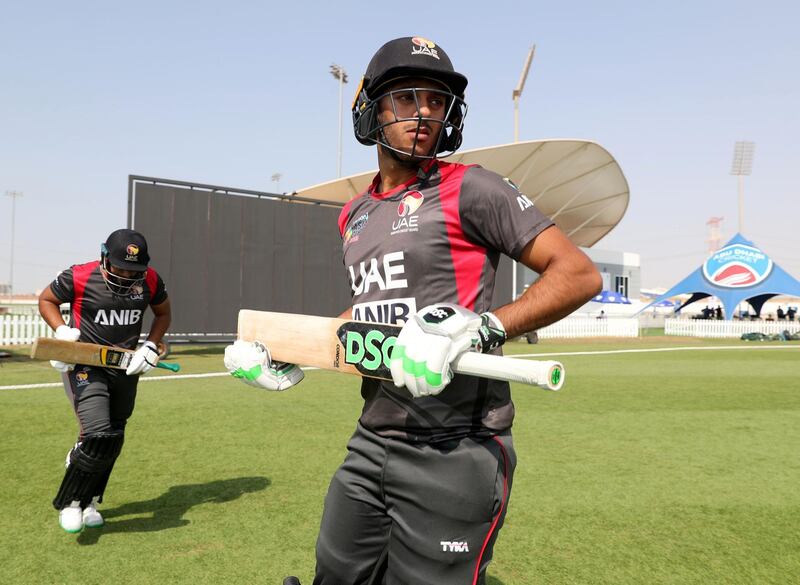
169	366
545	374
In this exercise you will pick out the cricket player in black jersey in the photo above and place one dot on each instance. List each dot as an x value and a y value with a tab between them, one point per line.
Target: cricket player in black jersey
108	298
424	489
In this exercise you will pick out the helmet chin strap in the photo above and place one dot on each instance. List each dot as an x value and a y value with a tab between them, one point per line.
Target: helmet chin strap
406	159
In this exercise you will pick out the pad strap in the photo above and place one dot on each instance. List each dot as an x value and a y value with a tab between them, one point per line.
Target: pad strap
90	464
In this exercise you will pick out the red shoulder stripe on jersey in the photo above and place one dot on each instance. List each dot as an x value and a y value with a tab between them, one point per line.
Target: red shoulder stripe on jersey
468	258
344	216
151	280
80	276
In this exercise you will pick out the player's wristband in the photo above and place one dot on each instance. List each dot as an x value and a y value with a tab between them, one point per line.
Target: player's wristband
491	333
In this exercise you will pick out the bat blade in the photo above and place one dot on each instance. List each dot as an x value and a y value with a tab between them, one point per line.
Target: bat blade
89	354
74	352
364	349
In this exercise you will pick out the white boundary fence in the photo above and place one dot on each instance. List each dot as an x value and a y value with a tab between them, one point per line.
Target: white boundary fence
590	327
22	329
732	329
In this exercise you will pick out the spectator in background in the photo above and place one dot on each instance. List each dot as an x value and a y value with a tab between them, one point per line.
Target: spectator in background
781	314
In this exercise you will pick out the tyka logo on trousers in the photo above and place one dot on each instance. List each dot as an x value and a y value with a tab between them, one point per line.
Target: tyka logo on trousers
454	546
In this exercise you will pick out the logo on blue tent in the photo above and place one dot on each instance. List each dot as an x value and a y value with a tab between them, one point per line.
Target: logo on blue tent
737	266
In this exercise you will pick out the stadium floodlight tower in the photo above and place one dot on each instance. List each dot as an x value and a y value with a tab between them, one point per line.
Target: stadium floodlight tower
14	195
515	95
339	73
742	166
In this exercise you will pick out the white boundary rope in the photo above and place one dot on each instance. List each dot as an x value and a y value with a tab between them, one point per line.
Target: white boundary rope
145	379
653	350
165	377
518	355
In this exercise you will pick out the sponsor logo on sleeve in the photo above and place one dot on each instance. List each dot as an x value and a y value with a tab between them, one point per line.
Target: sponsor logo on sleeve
522	200
351	235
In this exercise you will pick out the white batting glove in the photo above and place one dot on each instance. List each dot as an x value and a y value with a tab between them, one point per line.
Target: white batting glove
251	362
144	359
65	333
428	343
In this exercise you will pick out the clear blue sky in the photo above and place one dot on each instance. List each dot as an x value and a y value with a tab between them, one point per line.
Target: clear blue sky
230	93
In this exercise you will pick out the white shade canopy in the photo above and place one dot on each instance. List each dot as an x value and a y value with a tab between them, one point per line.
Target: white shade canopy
577	183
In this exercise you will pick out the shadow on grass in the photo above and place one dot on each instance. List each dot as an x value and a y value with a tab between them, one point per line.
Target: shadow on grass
493	581
9	355
167	510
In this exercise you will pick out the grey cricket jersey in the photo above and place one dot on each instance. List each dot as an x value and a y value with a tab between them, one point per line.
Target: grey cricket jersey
101	316
436	238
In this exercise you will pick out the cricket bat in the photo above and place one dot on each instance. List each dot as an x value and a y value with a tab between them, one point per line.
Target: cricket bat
364	349
89	354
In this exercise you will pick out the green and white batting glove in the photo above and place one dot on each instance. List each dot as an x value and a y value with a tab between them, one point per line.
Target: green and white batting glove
251	362
433	338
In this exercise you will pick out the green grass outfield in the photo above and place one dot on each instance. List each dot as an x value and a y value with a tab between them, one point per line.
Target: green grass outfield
656	467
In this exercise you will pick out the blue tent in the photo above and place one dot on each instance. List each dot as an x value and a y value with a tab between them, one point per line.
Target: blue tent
607	296
739	271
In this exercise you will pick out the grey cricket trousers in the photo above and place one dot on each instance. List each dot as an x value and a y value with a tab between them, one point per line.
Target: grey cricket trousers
435	509
103	399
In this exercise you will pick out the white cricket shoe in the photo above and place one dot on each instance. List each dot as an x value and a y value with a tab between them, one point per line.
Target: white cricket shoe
91	517
71	517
